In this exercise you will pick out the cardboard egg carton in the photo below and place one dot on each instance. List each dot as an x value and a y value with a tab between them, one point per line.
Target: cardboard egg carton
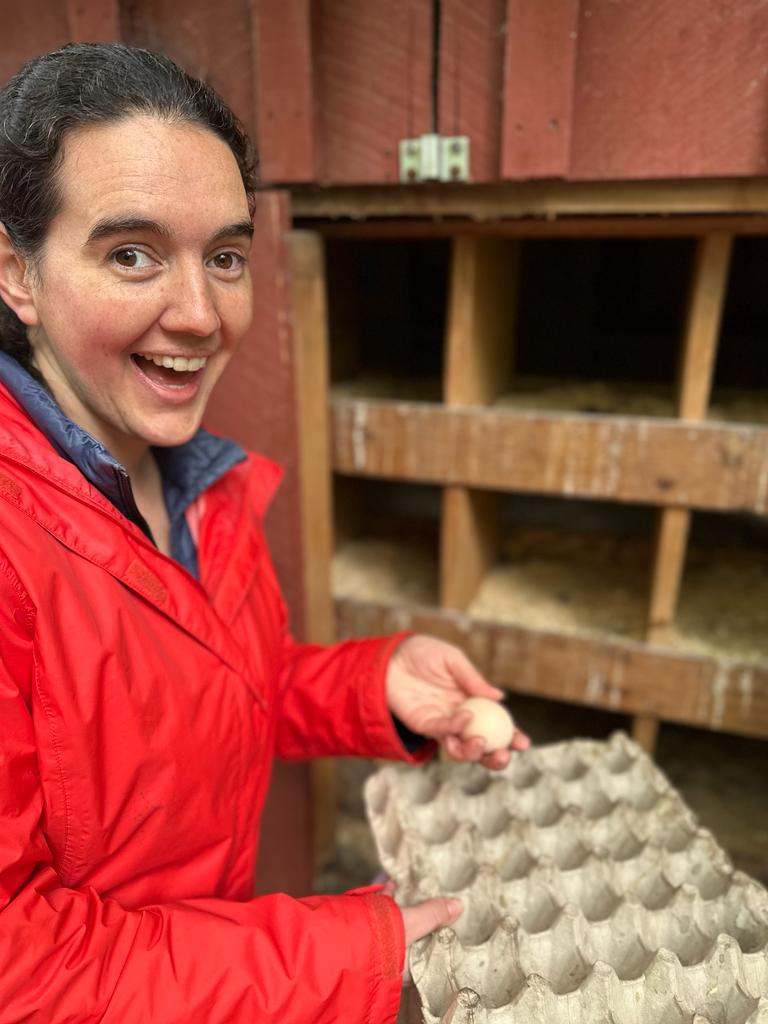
591	894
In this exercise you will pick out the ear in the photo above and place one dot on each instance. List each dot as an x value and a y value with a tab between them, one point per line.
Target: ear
15	290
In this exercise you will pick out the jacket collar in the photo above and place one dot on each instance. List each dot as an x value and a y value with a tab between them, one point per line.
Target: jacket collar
187	470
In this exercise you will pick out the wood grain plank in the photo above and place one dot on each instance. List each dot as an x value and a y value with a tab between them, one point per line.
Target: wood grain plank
548	199
212	41
311	353
372	79
670	89
620	458
93	21
470	79
283	70
702	328
709	283
679	226
539	69
30	29
481	308
667	575
618	676
469	540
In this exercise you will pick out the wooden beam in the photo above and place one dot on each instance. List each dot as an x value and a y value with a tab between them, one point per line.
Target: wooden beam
625	226
547	199
478	360
702	330
283	73
310	315
619	458
539	68
470	79
481	306
93	21
645	732
373	64
468	543
709	283
311	353
624	677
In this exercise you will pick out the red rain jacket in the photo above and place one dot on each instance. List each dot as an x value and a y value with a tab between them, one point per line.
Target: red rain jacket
139	712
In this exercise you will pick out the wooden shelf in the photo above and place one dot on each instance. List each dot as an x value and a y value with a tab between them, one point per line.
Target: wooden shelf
617	675
509	334
621	458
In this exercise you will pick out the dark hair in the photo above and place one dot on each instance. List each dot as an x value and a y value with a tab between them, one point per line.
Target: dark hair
79	85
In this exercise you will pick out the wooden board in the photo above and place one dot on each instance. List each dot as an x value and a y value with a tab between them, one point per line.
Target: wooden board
282	68
481	308
537	199
627	226
662	462
469	540
616	676
212	41
470	79
311	353
39	26
373	65
670	89
709	284
539	70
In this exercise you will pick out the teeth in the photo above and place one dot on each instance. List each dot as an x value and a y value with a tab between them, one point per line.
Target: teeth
178	363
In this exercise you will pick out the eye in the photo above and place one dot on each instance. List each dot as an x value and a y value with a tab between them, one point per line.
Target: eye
228	261
132	259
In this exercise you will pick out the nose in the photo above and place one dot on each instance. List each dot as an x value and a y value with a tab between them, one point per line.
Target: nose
190	307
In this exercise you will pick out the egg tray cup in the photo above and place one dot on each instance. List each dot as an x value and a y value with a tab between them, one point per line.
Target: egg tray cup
591	895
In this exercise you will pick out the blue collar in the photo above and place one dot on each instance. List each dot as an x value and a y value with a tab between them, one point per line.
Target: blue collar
187	469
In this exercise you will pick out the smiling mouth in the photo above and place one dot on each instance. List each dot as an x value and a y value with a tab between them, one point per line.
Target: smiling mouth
170	371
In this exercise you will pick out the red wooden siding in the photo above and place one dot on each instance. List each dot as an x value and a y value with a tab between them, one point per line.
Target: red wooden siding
212	41
283	67
538	88
671	89
470	84
372	81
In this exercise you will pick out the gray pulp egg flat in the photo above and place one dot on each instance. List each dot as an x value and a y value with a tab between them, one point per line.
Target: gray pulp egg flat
591	894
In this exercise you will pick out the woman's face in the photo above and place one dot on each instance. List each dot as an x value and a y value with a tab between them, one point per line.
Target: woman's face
145	264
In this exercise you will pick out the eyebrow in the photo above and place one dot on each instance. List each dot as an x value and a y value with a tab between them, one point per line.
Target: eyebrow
108	226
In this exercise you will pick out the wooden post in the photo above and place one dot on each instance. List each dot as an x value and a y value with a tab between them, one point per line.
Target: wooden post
705	307
311	355
479	357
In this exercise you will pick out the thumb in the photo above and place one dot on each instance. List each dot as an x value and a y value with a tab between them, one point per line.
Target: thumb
427	917
469	679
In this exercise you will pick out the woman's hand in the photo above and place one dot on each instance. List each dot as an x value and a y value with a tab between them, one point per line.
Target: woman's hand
427	681
425	917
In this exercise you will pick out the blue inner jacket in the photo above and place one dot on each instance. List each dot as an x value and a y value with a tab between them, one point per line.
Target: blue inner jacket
186	470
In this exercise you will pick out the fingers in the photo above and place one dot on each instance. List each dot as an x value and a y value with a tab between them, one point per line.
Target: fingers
520	741
467	676
427	917
473	749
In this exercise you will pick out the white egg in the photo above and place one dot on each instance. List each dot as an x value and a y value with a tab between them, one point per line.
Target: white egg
490	720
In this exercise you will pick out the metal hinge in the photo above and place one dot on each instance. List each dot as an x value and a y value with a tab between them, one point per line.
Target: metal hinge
435	158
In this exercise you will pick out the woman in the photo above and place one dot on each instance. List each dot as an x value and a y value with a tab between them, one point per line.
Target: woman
147	678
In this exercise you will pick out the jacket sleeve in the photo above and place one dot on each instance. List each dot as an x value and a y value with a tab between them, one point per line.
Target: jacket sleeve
334	701
68	956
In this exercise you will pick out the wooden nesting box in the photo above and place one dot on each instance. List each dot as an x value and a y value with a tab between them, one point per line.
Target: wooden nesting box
550	446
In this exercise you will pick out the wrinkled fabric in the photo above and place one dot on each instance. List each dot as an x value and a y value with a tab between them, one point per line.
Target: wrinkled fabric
140	709
187	469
